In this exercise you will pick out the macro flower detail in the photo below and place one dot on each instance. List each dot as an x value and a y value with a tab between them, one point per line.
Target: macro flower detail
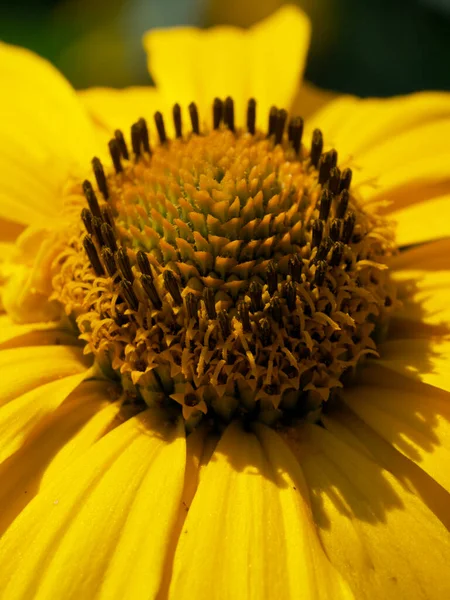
229	270
225	335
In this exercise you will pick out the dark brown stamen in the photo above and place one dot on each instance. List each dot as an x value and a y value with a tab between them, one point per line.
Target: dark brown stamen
325	166
159	122
136	139
228	113
123	264
244	315
107	215
108	236
251	116
209	301
100	177
193	113
191	303
114	150
122	144
151	291
317	232
92	255
176	112
271	278
224	324
295	265
109	262
217	112
321	271
97	225
280	125
316	147
143	263
172	287
290	294
145	139
255	293
349	225
325	204
334	180
336	254
333	157
275	310
295	133
91	199
335	229
346	179
126	290
342	204
86	217
273	114
265	331
323	249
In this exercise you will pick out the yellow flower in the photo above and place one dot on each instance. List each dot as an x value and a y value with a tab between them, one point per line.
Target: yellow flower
191	403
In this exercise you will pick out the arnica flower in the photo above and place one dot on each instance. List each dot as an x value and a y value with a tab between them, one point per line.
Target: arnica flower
225	343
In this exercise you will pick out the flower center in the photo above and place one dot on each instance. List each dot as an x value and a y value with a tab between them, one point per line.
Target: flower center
227	271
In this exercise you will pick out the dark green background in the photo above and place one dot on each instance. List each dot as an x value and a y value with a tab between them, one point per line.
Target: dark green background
366	47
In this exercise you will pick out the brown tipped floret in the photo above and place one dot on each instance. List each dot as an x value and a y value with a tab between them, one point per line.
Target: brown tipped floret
193	113
228	113
160	127
251	116
100	177
176	113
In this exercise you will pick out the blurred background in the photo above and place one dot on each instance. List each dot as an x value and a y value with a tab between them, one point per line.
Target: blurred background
365	47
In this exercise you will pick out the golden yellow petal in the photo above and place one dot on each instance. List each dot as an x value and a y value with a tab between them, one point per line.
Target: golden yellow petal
433	256
26	368
46	135
112	109
426	302
352	430
365	124
423	359
21	416
412	416
265	62
310	99
100	529
249	533
61	437
372	529
423	222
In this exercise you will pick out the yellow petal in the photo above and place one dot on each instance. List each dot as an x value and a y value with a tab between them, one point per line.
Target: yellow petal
46	135
310	100
265	62
423	222
118	109
19	417
352	430
62	437
422	359
422	143
426	301
13	334
412	416
249	533
24	369
372	529
433	256
365	124
100	529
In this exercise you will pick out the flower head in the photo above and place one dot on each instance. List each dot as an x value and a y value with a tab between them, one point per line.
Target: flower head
225	372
